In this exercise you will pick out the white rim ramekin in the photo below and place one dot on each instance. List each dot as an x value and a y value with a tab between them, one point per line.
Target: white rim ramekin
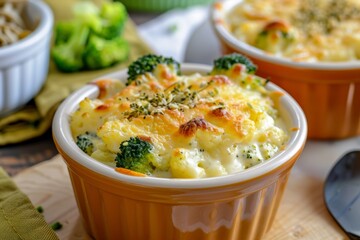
46	20
62	134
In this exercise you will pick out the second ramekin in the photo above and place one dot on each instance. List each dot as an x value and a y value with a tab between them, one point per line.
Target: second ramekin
329	93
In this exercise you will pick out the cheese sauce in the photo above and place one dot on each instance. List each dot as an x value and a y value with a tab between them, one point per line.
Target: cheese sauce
301	30
200	125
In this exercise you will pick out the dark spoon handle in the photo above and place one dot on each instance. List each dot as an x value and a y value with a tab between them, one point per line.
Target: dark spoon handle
353	236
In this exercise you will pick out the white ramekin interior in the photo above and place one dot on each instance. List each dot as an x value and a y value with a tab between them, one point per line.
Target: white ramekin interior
218	18
62	133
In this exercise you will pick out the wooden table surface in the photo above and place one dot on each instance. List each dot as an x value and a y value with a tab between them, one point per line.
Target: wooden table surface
18	157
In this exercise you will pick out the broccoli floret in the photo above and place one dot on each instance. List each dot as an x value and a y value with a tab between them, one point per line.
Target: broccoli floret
100	53
113	17
224	63
275	37
63	31
76	41
86	142
107	22
83	9
87	13
273	41
135	154
68	55
148	63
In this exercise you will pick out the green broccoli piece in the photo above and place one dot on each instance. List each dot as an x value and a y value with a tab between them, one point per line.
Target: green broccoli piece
87	13
63	31
83	9
100	53
56	226
148	63
68	55
78	40
40	209
224	63
113	17
107	22
275	37
135	154
273	41
86	142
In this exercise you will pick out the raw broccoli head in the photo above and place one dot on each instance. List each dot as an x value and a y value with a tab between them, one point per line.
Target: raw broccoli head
68	54
148	63
100	53
74	44
85	142
135	154
107	22
113	17
63	31
224	63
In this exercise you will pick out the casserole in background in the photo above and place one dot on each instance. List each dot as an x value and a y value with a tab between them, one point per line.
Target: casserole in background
328	92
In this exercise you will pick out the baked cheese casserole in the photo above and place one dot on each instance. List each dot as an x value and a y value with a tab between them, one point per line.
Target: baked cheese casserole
301	30
184	126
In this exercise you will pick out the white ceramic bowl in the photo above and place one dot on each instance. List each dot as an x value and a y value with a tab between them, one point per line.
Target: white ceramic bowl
24	64
119	206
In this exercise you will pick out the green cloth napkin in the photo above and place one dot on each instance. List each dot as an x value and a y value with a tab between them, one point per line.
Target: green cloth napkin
36	117
18	217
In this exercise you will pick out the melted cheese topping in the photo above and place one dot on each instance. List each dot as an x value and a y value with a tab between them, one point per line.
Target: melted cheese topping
301	30
200	126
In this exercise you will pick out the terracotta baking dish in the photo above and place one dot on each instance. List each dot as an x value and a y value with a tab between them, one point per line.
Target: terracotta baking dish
329	93
120	206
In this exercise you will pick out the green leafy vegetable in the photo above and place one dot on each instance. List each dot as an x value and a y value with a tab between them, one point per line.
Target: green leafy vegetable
67	55
40	209
226	62
100	53
135	154
148	63
86	142
93	33
56	226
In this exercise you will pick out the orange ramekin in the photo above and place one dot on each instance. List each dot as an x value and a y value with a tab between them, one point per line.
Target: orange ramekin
329	93
120	206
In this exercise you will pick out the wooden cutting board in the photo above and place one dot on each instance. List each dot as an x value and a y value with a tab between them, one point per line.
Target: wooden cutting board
302	213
